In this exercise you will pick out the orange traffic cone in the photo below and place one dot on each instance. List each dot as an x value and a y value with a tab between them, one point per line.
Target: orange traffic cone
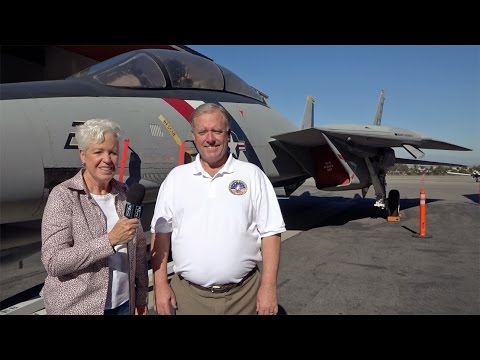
422	232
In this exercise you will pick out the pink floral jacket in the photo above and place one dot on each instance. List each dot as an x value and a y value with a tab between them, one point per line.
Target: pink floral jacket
75	250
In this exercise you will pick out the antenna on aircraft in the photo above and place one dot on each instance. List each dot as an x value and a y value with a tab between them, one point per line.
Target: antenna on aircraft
377	120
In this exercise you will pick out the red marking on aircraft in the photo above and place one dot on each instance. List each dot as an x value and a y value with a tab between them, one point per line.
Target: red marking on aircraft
241	113
184	108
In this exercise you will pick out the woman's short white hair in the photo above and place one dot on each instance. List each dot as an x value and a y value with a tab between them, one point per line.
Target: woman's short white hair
93	132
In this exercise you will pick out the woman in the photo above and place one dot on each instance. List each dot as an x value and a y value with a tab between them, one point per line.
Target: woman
87	243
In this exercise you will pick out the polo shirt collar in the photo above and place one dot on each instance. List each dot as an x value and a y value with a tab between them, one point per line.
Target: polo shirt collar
227	168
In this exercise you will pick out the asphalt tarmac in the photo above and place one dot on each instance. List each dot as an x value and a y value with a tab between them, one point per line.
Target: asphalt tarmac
339	255
349	260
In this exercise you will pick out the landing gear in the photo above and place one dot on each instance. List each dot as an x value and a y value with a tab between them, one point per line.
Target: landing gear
378	175
393	204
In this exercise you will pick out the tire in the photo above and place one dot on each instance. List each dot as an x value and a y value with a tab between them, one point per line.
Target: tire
393	203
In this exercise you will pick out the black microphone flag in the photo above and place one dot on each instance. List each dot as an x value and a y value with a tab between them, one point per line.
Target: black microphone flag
135	195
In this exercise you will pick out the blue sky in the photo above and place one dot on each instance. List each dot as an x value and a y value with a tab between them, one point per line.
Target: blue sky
430	89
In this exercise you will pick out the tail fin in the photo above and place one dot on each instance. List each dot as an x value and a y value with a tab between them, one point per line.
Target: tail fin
377	120
307	121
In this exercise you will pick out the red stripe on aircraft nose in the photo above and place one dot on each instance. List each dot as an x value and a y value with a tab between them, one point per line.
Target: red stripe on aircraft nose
181	106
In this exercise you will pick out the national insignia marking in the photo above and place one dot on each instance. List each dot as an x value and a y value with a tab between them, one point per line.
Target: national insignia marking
237	187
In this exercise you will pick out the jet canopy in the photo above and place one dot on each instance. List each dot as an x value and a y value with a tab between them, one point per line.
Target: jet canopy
167	69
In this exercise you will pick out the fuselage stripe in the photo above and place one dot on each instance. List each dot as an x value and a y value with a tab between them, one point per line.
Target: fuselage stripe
183	107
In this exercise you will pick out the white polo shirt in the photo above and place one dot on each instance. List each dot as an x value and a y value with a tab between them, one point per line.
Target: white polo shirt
216	222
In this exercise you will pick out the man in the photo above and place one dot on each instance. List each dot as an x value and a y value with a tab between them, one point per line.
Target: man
222	217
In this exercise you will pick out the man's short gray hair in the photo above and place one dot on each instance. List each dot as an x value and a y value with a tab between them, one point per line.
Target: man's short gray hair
93	132
209	108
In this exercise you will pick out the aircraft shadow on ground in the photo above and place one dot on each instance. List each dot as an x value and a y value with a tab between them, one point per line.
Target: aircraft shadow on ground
473	197
306	212
25	295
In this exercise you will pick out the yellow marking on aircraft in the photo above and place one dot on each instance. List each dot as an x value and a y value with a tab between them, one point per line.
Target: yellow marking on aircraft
170	130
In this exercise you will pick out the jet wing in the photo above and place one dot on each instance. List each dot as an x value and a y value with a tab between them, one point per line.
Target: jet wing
306	138
378	137
440	145
373	136
390	137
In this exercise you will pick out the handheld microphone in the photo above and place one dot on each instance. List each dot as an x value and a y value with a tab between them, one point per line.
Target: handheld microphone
133	209
135	195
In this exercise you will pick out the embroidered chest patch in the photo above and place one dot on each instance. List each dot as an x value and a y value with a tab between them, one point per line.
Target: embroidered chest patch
237	187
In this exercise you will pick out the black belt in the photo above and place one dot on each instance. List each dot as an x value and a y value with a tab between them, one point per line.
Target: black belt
222	288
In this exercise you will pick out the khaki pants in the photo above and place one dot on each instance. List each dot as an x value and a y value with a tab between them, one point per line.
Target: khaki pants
241	300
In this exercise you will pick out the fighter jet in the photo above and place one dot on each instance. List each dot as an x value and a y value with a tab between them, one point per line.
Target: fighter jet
354	157
151	93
